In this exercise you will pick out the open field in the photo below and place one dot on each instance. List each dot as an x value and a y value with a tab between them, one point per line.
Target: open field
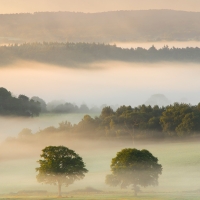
120	196
180	161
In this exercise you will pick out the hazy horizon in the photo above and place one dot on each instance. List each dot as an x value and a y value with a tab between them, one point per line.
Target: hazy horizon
24	6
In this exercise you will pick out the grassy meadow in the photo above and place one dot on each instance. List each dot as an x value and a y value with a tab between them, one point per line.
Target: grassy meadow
120	196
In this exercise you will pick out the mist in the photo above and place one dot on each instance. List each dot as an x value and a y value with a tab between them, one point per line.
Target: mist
111	83
23	6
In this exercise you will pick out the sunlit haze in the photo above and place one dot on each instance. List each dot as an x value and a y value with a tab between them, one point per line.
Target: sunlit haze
97	99
24	6
103	83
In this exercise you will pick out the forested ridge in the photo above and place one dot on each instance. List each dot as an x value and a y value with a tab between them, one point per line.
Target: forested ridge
125	26
66	54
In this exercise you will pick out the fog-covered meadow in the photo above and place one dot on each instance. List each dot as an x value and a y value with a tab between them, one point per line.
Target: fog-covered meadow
180	162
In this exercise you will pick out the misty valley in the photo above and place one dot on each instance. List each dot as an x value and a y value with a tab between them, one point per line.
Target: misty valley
100	105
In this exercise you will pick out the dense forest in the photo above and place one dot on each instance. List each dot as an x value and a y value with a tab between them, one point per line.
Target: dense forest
66	54
140	123
125	26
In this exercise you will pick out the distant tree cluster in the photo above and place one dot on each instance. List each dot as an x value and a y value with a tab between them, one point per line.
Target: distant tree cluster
23	106
20	106
66	107
72	54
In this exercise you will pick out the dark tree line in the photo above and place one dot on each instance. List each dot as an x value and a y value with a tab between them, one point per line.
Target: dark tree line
66	54
20	106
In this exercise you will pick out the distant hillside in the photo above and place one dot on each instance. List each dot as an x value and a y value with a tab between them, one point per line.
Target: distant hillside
124	26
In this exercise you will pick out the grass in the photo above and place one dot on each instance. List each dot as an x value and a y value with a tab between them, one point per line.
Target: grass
111	196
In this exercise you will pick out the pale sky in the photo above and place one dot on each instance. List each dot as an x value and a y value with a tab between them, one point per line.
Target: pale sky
24	6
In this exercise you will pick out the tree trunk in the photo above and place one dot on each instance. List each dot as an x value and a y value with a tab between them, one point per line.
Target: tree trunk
59	190
135	188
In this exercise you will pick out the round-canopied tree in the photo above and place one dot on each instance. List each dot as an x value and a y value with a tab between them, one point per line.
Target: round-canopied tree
132	167
60	166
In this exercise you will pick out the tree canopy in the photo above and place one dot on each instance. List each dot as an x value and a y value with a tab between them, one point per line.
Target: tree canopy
18	106
60	165
132	167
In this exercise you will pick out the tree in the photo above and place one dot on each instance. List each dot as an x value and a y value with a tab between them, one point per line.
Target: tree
132	167
107	112
60	166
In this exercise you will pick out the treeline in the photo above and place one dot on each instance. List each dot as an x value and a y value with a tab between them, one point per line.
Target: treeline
127	123
30	107
79	53
124	26
65	107
17	106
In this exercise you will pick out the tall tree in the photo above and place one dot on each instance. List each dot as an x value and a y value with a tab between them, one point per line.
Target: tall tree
60	165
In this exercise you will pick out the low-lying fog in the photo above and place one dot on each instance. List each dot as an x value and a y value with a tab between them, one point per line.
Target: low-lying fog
180	162
11	126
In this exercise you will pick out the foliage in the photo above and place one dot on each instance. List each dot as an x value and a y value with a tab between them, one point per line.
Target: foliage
180	119
61	166
132	167
21	106
132	124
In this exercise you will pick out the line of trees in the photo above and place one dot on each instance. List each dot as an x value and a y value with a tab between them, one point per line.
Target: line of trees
65	107
72	54
25	106
127	124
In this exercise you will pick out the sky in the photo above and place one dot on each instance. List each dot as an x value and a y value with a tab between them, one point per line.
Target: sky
24	6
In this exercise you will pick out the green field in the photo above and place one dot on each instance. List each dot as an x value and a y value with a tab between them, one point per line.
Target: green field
120	196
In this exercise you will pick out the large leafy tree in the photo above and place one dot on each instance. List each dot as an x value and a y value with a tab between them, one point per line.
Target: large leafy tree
61	166
132	167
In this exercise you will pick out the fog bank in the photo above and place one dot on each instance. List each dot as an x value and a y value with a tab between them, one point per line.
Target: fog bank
179	160
108	83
